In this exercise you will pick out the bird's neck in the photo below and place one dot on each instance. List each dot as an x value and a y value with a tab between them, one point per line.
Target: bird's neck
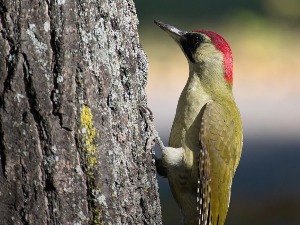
212	79
194	92
191	101
197	92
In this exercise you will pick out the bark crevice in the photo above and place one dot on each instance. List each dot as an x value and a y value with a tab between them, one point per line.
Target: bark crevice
2	151
25	194
44	138
72	142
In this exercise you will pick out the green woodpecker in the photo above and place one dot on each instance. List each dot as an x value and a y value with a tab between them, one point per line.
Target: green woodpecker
206	138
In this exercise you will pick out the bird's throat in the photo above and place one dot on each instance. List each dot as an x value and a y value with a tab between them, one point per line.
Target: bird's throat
191	101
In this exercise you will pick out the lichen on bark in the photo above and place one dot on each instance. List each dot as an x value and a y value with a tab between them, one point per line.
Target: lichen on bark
72	143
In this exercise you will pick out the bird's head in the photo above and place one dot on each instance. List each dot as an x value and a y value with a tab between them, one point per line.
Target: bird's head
205	50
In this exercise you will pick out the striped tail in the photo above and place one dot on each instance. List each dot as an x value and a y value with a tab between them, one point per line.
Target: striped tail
204	189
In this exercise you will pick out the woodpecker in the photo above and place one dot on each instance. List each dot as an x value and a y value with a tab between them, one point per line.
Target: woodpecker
206	138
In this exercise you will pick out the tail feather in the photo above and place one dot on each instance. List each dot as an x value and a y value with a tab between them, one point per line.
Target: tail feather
204	189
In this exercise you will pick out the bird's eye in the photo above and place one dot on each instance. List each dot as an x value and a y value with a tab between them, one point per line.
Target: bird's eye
197	39
194	40
190	43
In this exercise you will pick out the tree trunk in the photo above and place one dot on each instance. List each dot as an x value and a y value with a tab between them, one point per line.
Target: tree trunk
72	139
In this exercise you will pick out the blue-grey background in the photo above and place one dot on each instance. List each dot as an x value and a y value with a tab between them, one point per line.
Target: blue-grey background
264	37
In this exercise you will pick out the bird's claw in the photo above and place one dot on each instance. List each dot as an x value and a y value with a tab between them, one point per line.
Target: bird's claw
146	111
148	114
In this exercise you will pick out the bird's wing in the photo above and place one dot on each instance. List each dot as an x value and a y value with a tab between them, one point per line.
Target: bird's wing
219	155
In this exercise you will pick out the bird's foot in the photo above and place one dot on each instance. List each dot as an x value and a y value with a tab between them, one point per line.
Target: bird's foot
149	117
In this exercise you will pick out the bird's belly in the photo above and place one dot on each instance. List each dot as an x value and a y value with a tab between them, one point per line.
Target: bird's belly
185	195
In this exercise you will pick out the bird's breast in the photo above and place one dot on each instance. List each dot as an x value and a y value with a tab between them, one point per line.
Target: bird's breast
186	126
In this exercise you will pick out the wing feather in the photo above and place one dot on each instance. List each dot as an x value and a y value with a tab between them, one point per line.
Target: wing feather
219	154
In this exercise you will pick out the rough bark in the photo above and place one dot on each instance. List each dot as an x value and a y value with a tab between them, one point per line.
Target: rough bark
72	140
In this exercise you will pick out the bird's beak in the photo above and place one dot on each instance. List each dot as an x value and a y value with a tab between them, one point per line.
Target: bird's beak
176	34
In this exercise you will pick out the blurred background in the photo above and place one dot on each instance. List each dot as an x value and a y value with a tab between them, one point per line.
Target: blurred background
265	39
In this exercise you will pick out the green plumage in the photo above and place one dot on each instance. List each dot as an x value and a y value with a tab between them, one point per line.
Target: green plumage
220	137
212	124
206	138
